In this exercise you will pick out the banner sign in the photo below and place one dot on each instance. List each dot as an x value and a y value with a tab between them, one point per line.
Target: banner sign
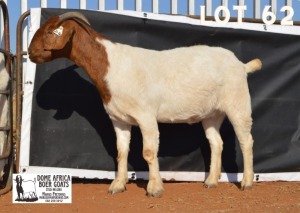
42	188
66	129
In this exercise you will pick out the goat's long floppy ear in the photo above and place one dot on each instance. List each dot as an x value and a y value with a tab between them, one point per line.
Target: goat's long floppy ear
56	37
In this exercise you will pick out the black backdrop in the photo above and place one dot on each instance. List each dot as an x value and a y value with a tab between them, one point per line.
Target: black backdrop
70	129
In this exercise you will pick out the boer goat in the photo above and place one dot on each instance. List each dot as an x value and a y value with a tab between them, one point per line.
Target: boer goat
143	87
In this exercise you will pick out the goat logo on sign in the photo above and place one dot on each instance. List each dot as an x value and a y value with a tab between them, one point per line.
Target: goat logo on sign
25	189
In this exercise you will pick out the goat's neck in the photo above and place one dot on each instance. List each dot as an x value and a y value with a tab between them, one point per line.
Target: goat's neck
92	57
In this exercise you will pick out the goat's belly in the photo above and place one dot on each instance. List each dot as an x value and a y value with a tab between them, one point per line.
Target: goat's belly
189	120
190	110
184	117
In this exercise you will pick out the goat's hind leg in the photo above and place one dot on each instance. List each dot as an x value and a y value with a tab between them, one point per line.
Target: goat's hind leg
211	127
242	123
123	140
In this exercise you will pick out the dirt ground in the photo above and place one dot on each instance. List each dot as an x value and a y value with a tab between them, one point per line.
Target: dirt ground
91	196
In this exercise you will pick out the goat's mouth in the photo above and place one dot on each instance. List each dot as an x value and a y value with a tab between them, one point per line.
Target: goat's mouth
35	59
39	57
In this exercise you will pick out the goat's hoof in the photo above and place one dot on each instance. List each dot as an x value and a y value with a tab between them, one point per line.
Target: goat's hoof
246	184
154	194
117	186
209	186
246	187
155	188
115	191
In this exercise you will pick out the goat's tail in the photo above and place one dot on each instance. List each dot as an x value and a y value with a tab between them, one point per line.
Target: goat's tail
253	65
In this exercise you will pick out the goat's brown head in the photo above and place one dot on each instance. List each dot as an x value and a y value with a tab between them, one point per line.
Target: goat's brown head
52	39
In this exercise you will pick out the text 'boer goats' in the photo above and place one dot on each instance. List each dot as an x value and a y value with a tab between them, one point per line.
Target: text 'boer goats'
142	87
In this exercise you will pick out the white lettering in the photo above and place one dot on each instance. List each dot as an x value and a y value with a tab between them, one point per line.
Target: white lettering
202	16
240	11
268	17
226	14
287	20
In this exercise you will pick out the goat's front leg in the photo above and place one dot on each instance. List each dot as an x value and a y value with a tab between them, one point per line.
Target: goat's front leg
123	140
150	134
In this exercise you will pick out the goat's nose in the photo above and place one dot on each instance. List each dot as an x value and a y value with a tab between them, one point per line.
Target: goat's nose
28	51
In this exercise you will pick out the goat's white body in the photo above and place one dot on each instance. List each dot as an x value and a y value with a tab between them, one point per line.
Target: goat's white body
4	79
180	85
189	84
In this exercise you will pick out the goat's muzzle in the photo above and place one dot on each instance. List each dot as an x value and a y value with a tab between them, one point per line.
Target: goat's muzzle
39	56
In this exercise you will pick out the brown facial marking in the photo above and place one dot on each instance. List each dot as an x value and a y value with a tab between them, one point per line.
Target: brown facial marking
76	43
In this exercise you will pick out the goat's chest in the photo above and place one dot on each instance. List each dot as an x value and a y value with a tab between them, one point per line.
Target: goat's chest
120	111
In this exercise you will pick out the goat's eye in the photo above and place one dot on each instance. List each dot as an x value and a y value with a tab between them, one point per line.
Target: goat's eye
49	32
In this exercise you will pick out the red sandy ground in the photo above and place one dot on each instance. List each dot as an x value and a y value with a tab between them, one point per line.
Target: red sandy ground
92	196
